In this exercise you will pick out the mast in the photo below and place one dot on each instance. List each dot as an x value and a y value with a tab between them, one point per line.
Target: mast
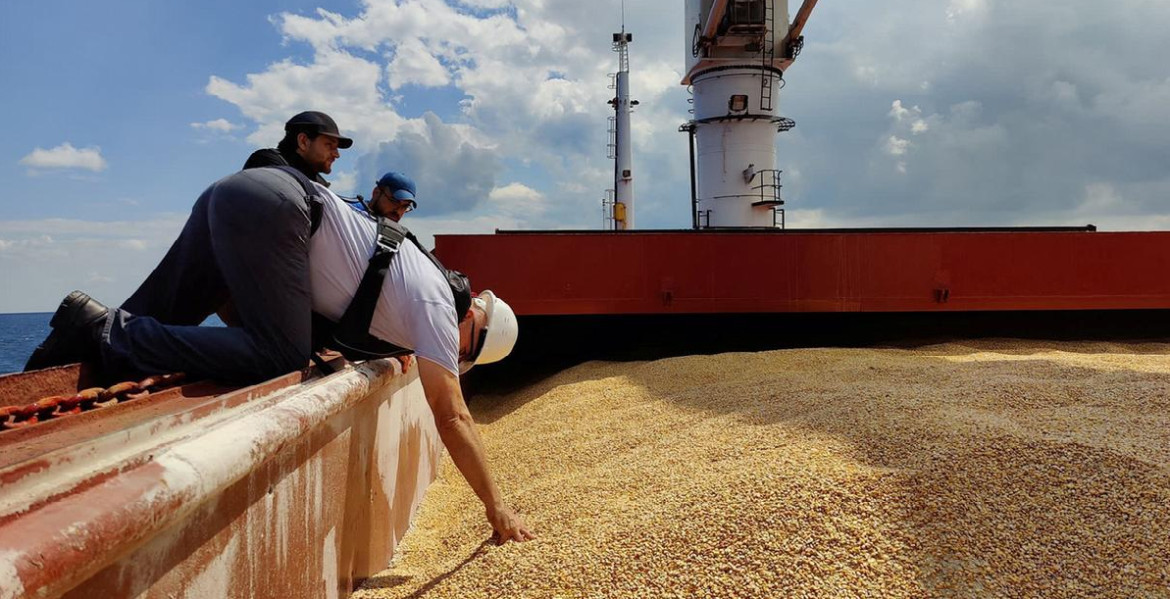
618	206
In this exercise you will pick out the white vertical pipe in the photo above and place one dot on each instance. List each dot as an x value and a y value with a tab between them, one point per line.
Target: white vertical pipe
623	175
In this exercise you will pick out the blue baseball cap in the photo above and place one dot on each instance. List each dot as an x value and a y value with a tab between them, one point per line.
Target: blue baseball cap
401	187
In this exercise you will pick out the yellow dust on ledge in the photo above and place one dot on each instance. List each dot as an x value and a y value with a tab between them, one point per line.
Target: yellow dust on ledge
991	468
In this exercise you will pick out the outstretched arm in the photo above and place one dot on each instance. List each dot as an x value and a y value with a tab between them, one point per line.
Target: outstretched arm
457	430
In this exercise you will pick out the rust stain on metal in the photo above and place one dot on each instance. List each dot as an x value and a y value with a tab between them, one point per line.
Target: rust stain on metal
26	387
292	488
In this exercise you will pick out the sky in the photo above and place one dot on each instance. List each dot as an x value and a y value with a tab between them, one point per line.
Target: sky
909	113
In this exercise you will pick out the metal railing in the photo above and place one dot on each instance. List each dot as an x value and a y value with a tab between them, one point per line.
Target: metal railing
607	201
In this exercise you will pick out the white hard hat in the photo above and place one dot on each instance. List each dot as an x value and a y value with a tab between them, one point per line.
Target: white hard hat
500	330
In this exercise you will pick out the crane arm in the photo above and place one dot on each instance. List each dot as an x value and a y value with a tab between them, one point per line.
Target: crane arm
798	24
713	18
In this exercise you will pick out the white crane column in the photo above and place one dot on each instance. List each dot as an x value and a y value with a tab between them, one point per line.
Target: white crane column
623	170
737	52
735	147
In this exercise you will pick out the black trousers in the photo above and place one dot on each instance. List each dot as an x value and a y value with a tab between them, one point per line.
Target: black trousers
247	239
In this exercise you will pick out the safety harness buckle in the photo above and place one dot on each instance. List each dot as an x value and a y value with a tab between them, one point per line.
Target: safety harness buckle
389	245
390	236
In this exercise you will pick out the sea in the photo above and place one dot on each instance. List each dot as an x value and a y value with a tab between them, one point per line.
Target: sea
21	333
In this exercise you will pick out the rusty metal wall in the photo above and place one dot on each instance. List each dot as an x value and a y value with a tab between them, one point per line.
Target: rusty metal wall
751	271
298	491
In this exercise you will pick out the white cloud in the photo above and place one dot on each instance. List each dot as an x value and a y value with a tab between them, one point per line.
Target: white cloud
900	113
137	245
970	9
1121	222
518	200
47	258
65	156
913	115
340	84
414	64
164	225
896	146
1142	107
489	4
346	182
807	219
1100	199
220	125
449	164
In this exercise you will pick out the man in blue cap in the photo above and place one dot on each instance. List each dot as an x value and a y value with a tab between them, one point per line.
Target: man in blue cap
393	196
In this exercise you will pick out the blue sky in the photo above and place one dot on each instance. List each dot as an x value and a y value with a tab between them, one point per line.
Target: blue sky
911	113
127	77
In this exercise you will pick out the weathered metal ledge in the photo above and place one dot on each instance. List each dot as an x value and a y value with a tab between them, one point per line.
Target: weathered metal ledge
292	488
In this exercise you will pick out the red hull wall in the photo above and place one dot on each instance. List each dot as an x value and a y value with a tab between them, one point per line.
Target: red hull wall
650	272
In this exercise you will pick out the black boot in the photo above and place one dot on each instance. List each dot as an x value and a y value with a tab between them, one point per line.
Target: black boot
76	335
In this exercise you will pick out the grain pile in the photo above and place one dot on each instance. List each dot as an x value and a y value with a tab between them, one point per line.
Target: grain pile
1021	469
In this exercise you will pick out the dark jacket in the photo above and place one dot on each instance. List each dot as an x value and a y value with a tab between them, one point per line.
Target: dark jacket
274	157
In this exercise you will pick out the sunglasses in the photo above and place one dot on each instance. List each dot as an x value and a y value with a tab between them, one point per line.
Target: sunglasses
477	345
466	361
410	204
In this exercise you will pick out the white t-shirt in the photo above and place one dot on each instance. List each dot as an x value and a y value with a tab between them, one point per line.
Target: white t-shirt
416	309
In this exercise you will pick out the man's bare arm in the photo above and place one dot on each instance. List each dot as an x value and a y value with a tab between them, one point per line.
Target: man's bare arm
457	430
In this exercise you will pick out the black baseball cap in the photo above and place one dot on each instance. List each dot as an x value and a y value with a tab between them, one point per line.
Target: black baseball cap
319	122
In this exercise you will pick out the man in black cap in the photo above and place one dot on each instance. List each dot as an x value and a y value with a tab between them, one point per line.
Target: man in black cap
246	243
310	144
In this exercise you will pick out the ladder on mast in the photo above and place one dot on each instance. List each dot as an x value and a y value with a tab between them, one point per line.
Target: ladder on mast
767	54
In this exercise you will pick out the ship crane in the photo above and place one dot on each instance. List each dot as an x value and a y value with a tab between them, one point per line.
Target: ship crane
738	53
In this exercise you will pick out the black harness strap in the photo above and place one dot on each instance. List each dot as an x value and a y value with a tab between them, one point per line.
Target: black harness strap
312	196
351	335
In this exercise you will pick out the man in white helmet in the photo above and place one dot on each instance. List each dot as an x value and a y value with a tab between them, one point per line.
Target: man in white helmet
416	310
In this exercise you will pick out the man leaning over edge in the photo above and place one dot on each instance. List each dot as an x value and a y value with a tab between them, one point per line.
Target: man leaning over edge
416	311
